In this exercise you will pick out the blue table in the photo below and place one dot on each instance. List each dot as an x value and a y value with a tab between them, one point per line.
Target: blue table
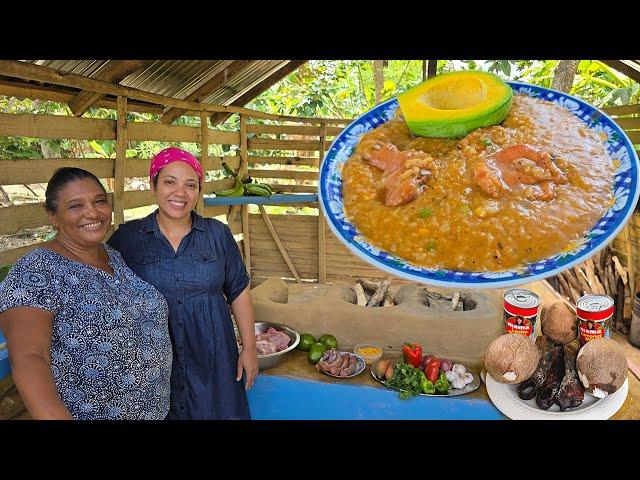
5	368
275	397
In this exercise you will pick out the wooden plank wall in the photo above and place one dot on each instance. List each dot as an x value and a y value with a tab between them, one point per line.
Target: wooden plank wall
626	244
287	156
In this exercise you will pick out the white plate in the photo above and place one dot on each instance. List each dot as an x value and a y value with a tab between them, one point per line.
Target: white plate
505	398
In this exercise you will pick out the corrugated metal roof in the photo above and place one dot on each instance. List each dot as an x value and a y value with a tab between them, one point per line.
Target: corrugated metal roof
179	78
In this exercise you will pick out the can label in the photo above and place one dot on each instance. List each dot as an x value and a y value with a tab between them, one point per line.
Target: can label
594	317
520	311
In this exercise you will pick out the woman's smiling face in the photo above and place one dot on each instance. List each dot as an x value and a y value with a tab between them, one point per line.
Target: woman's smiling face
177	190
83	213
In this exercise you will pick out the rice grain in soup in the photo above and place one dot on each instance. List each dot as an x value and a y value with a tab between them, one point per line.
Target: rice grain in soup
453	223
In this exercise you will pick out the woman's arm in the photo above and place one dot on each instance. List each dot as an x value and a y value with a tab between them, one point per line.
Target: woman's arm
28	333
242	309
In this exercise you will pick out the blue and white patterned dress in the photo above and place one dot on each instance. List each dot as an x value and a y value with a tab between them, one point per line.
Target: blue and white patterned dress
110	348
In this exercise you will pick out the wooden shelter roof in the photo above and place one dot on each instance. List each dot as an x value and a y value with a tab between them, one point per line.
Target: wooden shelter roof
216	82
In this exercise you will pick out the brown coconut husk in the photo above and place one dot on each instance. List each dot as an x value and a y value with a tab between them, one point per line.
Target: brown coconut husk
511	358
559	323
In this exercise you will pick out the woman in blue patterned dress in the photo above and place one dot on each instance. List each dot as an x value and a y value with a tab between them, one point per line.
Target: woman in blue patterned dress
87	338
196	264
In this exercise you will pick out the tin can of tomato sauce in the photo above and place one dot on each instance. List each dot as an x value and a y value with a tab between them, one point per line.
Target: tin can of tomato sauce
520	311
594	317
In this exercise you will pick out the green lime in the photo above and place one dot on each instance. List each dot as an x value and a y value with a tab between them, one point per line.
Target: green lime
329	340
306	340
316	351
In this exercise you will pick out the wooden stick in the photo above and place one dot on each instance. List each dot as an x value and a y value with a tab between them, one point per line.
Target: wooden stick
368	285
564	285
121	160
594	282
455	300
322	242
558	296
622	272
571	279
582	280
619	308
378	296
630	265
361	300
281	249
611	278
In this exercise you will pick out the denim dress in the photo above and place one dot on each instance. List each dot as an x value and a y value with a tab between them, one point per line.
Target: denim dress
198	280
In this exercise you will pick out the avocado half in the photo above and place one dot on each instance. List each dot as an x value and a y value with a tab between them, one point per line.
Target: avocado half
453	104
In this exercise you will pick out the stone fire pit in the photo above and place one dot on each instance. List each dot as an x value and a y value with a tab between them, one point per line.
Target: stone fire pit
318	309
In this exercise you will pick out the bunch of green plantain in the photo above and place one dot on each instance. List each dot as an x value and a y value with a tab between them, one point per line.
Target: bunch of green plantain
246	186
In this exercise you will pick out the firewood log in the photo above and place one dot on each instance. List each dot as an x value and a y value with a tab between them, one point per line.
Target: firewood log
619	308
594	282
378	296
553	281
361	299
564	286
368	285
575	295
571	279
611	278
621	271
582	280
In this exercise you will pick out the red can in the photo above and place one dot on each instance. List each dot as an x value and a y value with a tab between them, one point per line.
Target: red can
594	317
520	311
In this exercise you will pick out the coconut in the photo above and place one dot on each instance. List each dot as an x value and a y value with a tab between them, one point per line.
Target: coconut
559	323
511	358
602	366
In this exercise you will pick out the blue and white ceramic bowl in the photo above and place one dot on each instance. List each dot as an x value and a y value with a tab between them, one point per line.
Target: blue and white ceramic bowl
625	189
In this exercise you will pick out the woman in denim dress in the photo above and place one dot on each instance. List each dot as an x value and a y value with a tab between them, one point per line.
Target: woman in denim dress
196	264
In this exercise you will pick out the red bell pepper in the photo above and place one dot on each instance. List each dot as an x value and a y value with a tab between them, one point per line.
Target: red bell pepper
432	369
412	353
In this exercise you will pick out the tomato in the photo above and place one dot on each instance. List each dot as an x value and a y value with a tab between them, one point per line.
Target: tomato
432	370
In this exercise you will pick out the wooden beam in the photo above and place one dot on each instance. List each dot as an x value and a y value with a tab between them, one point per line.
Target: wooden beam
120	164
272	79
322	243
22	90
378	79
39	73
204	156
114	72
631	72
217	81
281	248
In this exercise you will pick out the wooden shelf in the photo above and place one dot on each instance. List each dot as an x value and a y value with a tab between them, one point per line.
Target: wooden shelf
271	200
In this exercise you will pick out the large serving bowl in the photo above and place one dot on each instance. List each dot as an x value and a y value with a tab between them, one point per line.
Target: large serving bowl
273	359
625	189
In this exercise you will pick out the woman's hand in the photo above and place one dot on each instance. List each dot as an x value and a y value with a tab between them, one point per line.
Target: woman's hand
248	361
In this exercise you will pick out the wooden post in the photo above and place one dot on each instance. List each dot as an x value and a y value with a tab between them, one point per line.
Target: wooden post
235	212
322	258
630	268
281	249
121	160
564	74
246	240
204	156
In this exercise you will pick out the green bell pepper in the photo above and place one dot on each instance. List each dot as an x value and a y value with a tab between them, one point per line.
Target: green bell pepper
442	384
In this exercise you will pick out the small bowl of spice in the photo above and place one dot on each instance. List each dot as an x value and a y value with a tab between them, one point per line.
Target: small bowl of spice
369	352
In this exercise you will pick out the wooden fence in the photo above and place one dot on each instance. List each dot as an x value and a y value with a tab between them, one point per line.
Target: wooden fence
285	154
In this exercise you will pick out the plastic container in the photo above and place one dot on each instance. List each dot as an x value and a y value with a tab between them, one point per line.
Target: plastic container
369	352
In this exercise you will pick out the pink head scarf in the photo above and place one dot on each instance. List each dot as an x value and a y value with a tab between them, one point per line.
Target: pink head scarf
170	155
